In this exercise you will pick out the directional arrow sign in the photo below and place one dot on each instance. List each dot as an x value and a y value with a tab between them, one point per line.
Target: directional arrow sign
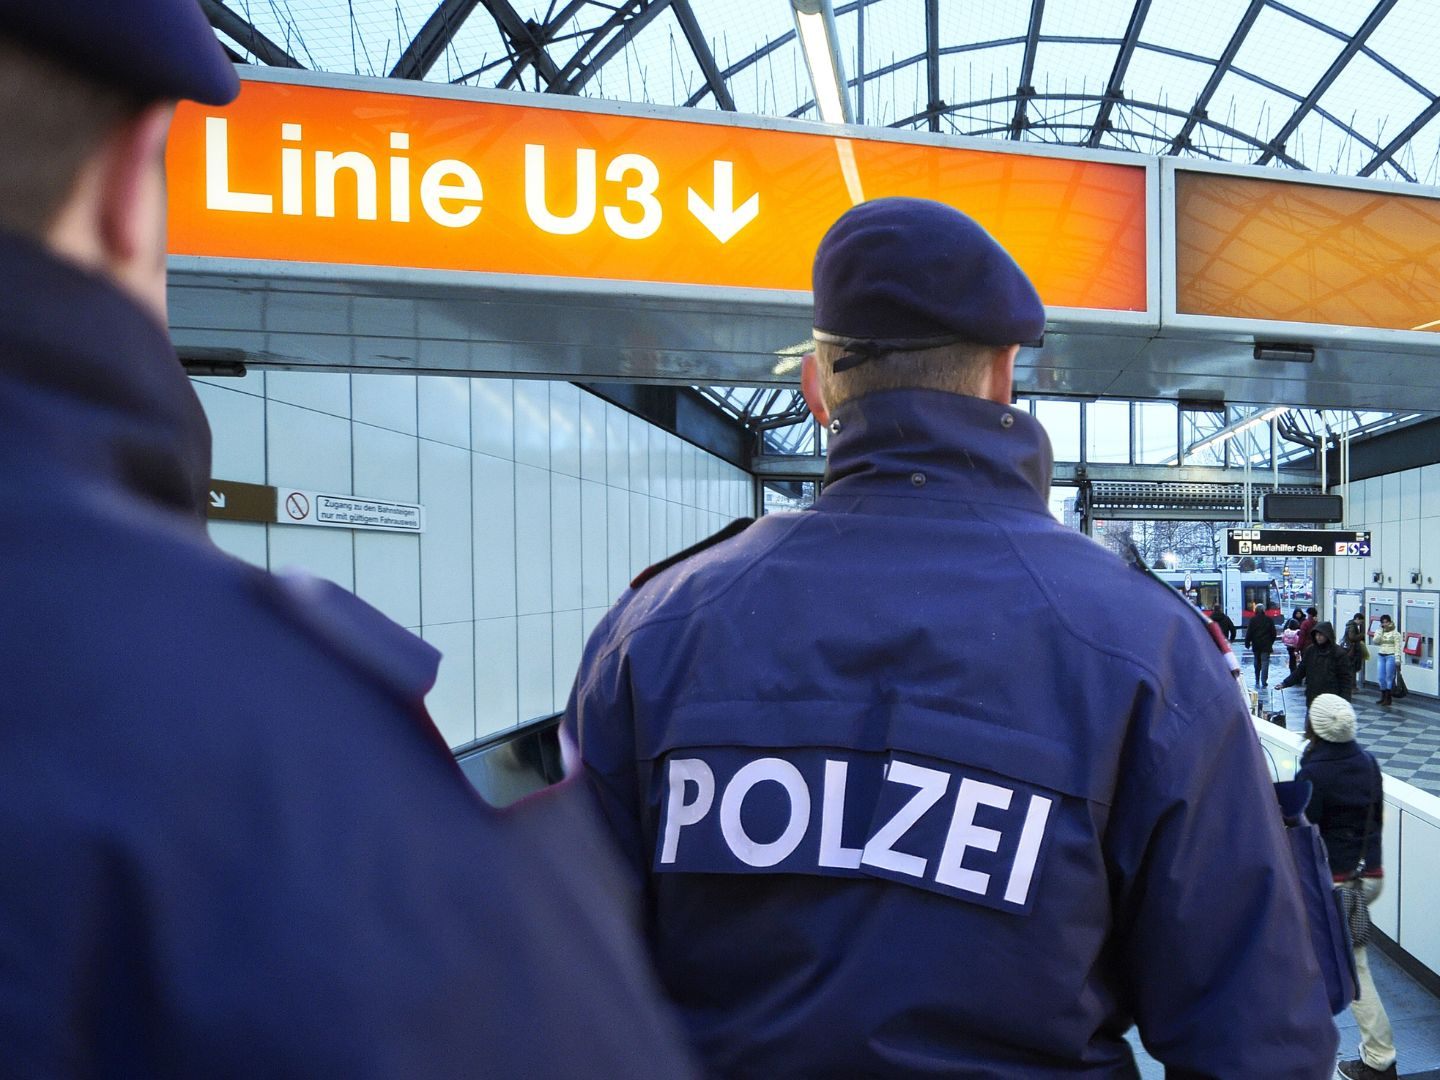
303	169
724	219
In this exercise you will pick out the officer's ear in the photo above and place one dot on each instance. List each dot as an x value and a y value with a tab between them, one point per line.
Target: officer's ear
131	206
1001	375
810	388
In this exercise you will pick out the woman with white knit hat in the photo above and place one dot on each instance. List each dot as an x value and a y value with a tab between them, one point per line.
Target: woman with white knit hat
1347	804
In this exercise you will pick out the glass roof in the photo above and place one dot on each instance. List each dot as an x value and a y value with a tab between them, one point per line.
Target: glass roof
1329	85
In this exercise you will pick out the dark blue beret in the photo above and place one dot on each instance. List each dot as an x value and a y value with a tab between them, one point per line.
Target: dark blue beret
155	49
915	271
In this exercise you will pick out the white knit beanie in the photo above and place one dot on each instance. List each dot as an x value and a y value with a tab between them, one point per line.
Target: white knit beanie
1332	718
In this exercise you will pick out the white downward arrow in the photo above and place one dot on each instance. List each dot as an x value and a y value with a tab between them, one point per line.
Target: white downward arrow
217	500
724	219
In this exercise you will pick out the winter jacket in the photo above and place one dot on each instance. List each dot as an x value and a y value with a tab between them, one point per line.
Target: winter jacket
1387	642
1325	669
1260	633
1346	787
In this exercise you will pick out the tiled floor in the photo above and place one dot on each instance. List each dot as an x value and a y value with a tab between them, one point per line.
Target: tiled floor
1414	1014
1405	738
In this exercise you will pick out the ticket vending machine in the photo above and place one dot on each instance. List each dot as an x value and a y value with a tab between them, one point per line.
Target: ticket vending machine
1378	602
1417	641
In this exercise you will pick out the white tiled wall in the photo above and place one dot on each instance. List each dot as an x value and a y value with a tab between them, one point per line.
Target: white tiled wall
1402	512
541	502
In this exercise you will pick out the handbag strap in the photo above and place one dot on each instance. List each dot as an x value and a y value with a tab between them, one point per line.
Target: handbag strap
1379	792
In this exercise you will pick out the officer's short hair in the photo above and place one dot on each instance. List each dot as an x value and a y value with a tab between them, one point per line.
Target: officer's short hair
52	120
958	368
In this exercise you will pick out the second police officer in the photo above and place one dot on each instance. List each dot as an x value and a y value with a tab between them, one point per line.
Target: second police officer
870	847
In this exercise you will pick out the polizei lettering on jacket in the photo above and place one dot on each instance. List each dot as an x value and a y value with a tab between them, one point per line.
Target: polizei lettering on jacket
934	825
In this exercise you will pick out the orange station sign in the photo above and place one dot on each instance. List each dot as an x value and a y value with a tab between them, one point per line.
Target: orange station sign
321	174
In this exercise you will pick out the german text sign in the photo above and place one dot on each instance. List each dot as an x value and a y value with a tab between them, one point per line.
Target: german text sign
323	174
1316	543
347	512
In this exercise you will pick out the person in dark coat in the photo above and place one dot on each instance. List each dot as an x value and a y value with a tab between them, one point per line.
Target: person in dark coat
1227	626
1353	642
1260	640
1324	668
232	843
1307	630
838	833
1347	804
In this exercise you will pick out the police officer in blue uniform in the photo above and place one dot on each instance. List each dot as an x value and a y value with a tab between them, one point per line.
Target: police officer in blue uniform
919	782
231	842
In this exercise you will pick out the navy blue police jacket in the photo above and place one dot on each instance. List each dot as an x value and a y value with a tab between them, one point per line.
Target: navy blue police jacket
1347	804
231	842
919	782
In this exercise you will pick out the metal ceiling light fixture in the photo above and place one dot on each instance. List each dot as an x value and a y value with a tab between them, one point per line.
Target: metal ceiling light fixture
815	27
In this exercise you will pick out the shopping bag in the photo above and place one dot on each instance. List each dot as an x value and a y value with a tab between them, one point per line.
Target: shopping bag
1400	689
1329	936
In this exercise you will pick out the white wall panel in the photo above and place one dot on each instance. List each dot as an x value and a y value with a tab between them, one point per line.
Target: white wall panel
532	423
1430	549
326	553
496	676
237	423
564	429
639	455
1409	529
617	447
674	467
591	617
689	465
386	464
243	539
386	401
594	545
1430	491
493	513
445	409
639	534
535	666
321	391
1388	552
387	574
492	417
1355	510
592	438
1390	497
307	449
617	529
532	542
659	483
452	700
446	588
568	642
1419	885
1386	910
565	542
1410	494
689	526
659	524
674	529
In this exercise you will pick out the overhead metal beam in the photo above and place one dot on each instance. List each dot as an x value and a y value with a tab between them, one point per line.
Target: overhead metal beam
1222	67
1026	90
690	27
425	50
629	19
1115	88
1352	47
1407	133
243	33
528	49
932	62
808	466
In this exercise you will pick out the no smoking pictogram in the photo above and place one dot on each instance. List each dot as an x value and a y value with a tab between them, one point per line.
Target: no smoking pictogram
297	506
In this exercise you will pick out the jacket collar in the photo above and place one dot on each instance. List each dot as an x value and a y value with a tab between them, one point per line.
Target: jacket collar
89	380
936	445
1321	750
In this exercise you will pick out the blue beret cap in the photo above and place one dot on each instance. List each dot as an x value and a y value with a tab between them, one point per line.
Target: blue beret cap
911	270
155	50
